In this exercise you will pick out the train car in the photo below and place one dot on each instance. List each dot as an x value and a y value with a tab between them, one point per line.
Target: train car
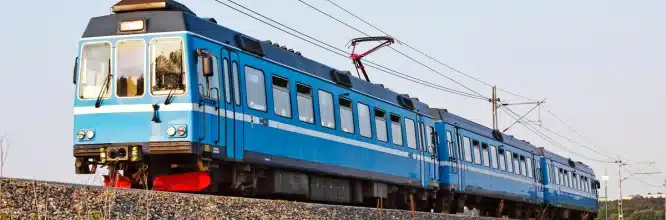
494	173
571	187
170	101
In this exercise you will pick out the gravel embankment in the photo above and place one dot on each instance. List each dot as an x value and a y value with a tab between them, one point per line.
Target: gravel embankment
21	199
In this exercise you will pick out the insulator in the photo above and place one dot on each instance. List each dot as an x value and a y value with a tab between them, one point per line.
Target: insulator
284	48
291	50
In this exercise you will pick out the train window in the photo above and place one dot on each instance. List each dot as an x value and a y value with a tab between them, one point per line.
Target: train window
281	97
523	166
449	142
380	125
364	120
206	86
477	152
304	102
493	156
346	115
326	111
501	160
396	129
410	132
422	139
167	72
467	148
227	87
234	72
566	178
484	155
509	161
255	88
559	179
576	181
516	164
530	172
130	68
95	66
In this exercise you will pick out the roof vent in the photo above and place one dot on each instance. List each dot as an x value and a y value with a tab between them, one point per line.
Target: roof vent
125	6
341	78
406	102
211	20
498	135
249	45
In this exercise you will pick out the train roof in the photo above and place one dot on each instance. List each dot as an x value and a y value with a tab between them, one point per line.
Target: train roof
175	17
446	116
568	161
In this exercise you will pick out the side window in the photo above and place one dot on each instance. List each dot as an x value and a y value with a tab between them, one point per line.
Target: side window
346	115
227	87
484	155
477	152
305	104
516	164
530	172
281	97
410	132
523	164
255	88
449	143
509	161
468	152
559	179
326	111
430	131
380	125
422	139
364	120
234	72
130	70
493	156
502	160
396	129
94	70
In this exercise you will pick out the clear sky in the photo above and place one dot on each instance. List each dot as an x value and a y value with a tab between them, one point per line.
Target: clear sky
599	63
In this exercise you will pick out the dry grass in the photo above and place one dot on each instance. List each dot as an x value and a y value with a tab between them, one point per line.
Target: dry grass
4	153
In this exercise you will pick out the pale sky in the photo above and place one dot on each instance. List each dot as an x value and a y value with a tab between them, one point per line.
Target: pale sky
599	63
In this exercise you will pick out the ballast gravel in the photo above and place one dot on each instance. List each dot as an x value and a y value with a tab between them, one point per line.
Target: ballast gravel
26	199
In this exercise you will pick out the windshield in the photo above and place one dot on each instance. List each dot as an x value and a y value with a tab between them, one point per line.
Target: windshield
94	69
130	62
167	66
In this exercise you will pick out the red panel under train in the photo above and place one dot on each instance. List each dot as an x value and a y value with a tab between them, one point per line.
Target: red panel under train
184	182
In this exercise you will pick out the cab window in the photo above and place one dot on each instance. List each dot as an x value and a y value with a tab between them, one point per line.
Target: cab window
167	75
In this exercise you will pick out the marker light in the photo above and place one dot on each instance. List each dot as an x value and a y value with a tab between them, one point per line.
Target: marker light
129	26
90	134
171	131
181	130
102	155
81	134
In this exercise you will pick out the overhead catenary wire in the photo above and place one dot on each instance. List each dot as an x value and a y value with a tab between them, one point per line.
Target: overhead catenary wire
342	53
570	128
424	54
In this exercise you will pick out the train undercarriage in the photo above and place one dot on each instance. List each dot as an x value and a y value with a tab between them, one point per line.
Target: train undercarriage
128	167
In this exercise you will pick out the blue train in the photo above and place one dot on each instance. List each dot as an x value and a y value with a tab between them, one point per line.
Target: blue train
166	100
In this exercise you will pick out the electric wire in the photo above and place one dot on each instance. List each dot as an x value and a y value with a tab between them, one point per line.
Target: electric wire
342	53
570	128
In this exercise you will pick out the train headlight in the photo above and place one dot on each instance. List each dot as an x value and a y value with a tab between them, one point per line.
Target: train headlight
81	134
90	134
182	131
136	154
171	131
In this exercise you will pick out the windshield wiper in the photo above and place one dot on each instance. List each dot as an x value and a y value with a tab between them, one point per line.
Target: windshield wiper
105	88
172	92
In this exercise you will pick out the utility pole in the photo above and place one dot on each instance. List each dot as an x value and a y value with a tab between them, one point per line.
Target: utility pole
620	213
606	178
664	199
494	101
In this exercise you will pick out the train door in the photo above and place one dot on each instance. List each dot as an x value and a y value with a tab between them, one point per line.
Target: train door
426	156
208	76
459	163
234	111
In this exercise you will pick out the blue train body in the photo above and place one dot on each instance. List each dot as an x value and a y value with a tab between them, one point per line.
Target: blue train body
181	95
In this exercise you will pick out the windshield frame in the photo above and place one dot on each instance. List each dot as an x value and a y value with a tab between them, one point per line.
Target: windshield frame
184	66
81	73
145	66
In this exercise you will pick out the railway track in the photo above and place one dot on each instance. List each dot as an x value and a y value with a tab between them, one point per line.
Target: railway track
32	199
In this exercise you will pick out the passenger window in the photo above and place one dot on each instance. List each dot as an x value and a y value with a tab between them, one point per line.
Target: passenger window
234	72
509	162
410	133
468	152
396	129
305	105
560	175
326	111
502	160
380	125
523	166
364	120
449	143
530	172
281	97
422	140
131	65
227	87
255	88
484	155
516	164
346	115
493	156
477	152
